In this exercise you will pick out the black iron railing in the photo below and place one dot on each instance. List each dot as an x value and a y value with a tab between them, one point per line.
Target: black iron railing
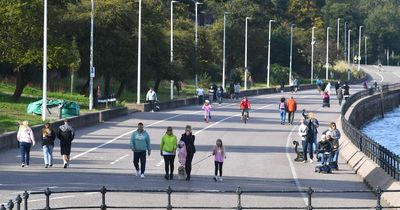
22	202
386	159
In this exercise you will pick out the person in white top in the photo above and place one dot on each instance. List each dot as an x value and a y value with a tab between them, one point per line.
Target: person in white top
26	139
151	97
200	94
237	91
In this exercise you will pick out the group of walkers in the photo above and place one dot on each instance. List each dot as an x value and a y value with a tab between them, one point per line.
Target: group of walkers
169	146
289	107
26	140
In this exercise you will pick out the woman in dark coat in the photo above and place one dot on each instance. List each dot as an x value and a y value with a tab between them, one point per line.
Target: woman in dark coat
189	138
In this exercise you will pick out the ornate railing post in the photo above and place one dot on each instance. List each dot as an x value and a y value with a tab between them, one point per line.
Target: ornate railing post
378	198
310	191
47	193
25	196
169	192
18	201
239	201
103	192
10	204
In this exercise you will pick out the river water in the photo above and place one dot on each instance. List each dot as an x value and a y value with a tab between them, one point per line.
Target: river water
386	131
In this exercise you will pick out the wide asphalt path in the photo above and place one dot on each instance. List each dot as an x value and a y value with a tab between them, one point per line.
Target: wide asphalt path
260	156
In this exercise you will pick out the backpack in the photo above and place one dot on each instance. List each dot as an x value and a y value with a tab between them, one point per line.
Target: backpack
282	106
65	136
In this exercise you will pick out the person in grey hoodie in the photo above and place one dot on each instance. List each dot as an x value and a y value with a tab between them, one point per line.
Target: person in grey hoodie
140	143
66	134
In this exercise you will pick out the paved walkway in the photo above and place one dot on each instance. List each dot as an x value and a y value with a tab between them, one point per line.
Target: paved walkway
259	157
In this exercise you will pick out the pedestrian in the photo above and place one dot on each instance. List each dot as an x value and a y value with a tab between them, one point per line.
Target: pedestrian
207	110
337	86
231	90
48	137
219	156
325	99
219	95
282	83
200	95
319	85
346	91
211	94
303	132
66	134
309	140
340	95
215	88
314	129
335	136
140	143
328	88
188	138
237	91
151	97
168	151
292	108
282	110
26	140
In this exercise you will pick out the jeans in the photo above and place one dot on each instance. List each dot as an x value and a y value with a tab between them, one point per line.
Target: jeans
283	115
325	160
169	164
218	167
314	144
237	95
25	149
291	117
308	148
201	99
152	103
220	100
48	154
188	164
139	156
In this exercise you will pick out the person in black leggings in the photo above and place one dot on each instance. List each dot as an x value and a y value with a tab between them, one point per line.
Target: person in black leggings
168	150
188	138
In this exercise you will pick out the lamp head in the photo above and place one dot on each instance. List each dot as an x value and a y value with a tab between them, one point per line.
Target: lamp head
174	2
272	21
198	3
248	18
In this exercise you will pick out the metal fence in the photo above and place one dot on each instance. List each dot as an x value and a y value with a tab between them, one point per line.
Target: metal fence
22	202
386	159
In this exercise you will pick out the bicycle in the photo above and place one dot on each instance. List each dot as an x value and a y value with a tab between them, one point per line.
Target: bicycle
245	116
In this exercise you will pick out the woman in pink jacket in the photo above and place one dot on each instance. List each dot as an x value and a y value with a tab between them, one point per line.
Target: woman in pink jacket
26	140
207	110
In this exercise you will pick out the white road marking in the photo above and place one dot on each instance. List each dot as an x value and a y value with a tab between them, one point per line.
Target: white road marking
91	193
379	74
55	198
160	163
397	74
115	161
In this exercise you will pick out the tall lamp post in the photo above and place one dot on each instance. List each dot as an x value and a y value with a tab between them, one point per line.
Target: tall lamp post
139	53
44	102
348	55
338	35
327	53
291	53
91	70
312	54
345	40
269	51
196	37
245	55
172	29
365	51
359	47
224	53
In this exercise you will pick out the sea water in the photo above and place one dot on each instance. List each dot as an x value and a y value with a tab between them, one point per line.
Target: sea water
386	131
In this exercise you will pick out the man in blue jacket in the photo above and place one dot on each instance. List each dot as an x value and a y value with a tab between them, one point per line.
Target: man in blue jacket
140	143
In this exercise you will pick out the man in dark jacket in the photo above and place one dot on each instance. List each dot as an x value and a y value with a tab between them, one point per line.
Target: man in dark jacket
189	138
66	134
308	147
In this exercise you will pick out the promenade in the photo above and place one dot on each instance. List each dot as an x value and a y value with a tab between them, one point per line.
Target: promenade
260	156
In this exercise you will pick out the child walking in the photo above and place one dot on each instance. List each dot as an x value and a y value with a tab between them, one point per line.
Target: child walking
207	110
220	155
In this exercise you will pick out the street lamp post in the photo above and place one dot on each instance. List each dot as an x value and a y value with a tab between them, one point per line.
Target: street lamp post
345	40
291	53
224	53
91	70
269	51
359	47
172	29
327	53
312	54
139	52
338	35
44	102
348	55
196	37
365	51
245	55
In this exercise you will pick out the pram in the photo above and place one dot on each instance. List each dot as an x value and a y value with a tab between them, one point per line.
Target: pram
326	100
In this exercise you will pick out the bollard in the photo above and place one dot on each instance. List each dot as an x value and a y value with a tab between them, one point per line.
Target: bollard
18	201
47	193
25	196
169	192
172	90
309	193
239	194
103	192
10	205
378	198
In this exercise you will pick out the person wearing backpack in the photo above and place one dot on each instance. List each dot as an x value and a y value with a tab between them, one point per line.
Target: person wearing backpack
282	110
66	135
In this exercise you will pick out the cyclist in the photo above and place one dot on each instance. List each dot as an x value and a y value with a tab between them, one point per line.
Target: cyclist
245	106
